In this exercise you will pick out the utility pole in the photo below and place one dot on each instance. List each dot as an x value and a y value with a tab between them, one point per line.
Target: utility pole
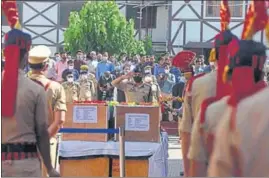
140	19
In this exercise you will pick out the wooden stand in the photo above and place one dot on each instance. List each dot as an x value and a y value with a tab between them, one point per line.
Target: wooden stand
150	135
102	122
133	168
91	167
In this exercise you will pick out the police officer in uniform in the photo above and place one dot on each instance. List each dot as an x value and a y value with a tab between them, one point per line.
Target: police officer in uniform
136	90
87	85
242	145
211	110
24	111
246	70
198	88
38	62
71	88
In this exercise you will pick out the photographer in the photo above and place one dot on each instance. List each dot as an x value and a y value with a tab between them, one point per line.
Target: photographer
105	92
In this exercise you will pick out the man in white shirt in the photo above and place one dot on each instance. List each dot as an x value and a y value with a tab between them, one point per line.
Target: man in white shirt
92	62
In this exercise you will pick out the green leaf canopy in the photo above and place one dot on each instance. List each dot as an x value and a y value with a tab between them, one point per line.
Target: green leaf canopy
101	27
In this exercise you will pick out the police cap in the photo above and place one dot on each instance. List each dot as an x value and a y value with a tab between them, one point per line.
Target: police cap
39	54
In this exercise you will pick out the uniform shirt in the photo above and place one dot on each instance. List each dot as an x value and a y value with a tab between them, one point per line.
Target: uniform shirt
31	113
135	93
55	95
72	91
87	91
199	149
202	88
249	136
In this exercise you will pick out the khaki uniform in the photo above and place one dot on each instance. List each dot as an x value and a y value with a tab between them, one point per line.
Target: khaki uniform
56	102
142	93
26	125
72	91
87	90
55	94
94	81
242	142
155	88
156	91
202	88
203	133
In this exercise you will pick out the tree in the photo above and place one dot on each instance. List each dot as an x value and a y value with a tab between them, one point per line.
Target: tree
101	27
148	44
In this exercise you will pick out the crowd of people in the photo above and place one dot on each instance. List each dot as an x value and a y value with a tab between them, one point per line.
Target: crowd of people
224	126
89	76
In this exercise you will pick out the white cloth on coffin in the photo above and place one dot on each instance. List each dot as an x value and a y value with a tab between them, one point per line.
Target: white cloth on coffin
158	152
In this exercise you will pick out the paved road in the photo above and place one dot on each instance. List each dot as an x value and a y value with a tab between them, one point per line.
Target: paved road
175	163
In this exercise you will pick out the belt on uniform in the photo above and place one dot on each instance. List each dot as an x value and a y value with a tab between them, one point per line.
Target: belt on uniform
18	151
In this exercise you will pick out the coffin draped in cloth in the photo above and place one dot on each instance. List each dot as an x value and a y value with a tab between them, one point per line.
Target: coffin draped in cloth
157	153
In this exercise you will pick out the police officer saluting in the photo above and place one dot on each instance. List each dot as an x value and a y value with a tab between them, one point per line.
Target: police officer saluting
24	110
136	90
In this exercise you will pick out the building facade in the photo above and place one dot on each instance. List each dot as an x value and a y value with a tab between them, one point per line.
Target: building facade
199	21
171	24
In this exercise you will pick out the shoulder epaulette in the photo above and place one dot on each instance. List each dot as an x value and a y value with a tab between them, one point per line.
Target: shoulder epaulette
191	80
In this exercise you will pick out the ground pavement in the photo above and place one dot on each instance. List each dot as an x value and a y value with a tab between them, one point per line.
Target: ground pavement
175	162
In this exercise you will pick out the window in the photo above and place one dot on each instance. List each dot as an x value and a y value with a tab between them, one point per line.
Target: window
4	19
66	7
213	8
149	16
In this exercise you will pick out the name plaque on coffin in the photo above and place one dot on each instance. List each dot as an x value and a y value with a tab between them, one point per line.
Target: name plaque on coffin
141	123
86	115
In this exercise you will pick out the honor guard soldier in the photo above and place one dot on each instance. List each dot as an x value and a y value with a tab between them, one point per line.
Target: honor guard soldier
198	88
24	108
242	145
245	73
87	85
38	62
71	88
246	70
136	90
211	110
183	61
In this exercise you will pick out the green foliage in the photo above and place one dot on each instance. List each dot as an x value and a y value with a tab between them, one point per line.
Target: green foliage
100	26
148	45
